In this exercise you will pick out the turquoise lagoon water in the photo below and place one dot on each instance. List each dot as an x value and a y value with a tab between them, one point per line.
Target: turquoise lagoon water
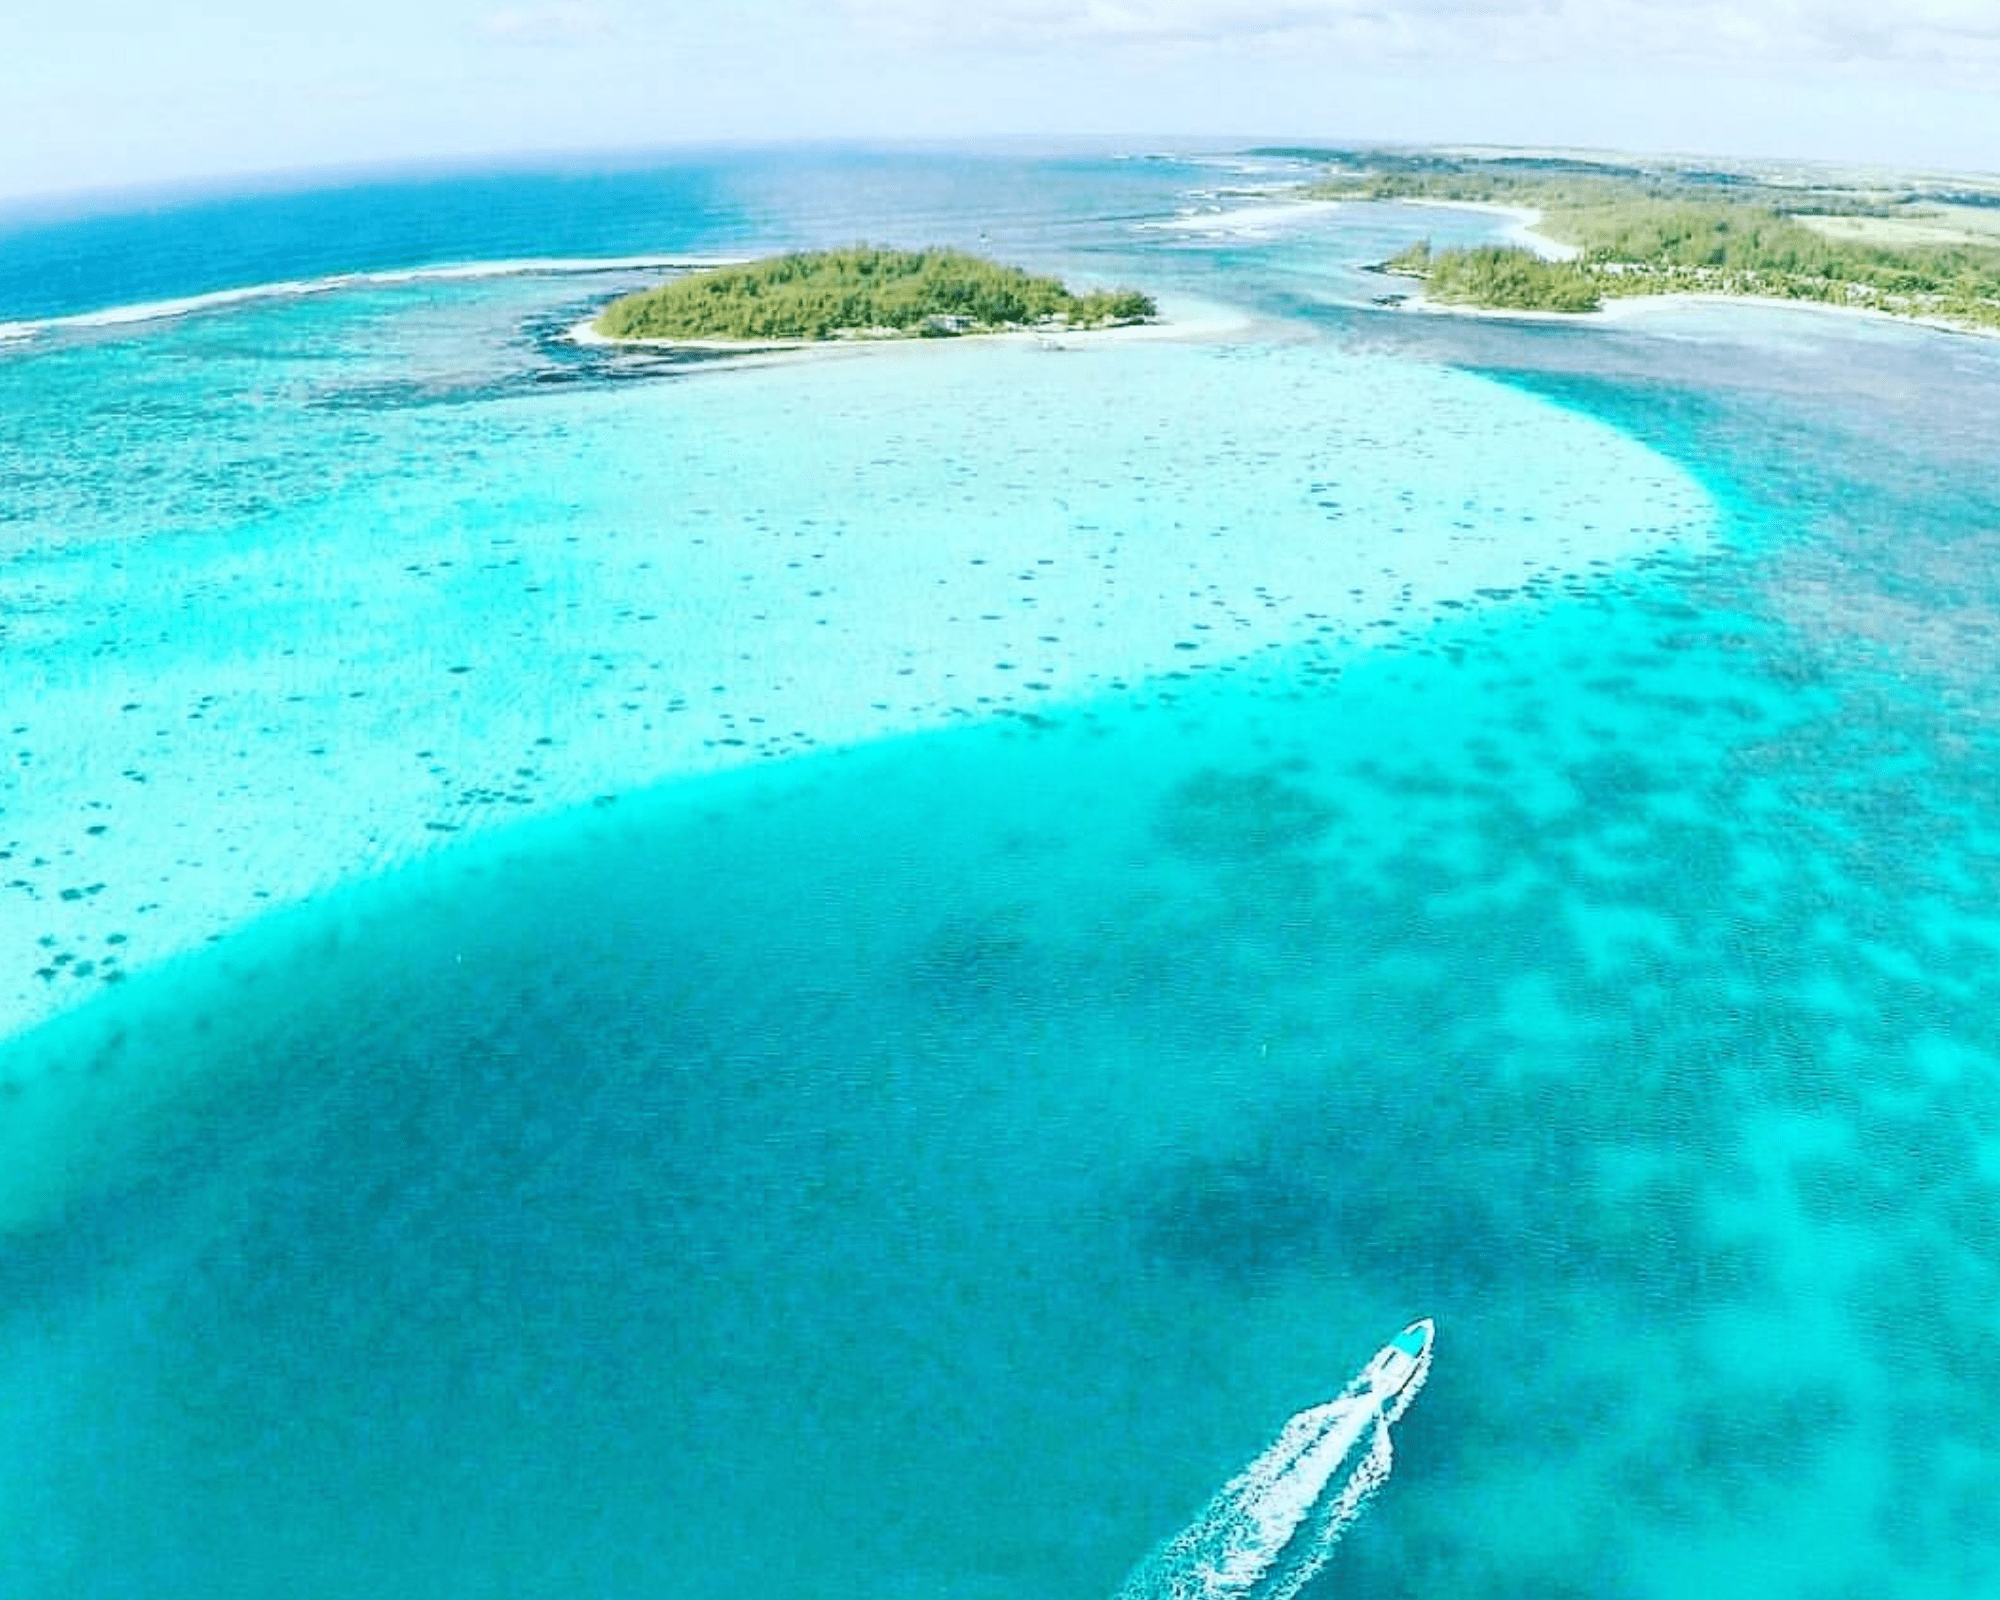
1250	842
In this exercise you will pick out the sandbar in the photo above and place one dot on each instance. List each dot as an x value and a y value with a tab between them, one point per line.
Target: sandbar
1638	307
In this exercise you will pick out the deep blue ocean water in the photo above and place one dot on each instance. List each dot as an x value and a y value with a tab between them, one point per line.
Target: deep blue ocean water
922	1147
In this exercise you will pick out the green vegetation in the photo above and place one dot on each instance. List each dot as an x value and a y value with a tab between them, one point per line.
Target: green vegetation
1577	182
862	290
1672	230
1502	278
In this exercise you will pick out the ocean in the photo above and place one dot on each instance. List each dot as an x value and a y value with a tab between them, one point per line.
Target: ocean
623	976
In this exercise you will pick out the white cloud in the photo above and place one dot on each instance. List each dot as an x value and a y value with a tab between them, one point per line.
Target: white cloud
1960	33
565	22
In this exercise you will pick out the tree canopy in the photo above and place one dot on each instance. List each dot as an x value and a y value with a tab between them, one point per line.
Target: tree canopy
861	289
1653	232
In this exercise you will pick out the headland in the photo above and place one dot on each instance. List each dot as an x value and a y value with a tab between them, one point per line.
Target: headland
1611	228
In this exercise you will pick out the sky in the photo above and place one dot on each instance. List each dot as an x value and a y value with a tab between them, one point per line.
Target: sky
116	93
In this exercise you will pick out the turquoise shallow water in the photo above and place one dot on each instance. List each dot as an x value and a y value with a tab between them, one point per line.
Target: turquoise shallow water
392	599
930	1165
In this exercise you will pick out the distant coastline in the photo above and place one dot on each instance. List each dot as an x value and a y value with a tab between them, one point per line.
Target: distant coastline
1666	302
1590	233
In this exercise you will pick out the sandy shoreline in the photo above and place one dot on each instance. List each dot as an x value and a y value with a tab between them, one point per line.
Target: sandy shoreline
1256	221
1634	308
1620	308
1628	307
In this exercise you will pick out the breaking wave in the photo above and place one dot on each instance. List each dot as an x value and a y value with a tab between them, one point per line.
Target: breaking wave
295	288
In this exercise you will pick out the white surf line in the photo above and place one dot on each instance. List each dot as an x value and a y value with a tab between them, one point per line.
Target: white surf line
1273	1526
294	288
1245	222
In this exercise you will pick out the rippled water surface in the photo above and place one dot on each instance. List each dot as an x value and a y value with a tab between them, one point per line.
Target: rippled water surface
858	976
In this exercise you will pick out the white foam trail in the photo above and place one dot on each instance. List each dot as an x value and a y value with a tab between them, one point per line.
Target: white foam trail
1273	1526
293	288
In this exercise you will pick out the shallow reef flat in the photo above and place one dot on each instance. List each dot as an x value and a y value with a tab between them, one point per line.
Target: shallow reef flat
1247	843
502	608
755	1153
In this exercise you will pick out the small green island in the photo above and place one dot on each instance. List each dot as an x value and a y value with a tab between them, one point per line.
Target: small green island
1920	248
863	292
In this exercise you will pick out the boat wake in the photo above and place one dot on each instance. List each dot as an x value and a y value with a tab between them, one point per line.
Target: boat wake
1272	1527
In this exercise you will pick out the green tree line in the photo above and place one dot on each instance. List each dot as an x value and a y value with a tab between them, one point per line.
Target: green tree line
1501	277
814	295
1654	234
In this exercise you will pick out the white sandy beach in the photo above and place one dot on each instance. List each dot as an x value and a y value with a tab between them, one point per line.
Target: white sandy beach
1524	219
1183	319
1690	307
1693	314
1652	307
